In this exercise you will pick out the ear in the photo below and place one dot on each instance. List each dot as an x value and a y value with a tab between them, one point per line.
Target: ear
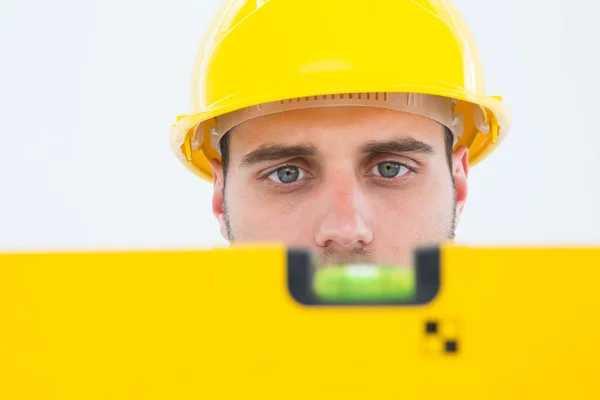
218	199
460	173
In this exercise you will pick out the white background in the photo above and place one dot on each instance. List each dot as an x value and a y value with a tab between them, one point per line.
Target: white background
88	90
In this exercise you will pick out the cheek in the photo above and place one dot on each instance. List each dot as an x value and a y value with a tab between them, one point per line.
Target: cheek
403	219
398	216
258	216
416	203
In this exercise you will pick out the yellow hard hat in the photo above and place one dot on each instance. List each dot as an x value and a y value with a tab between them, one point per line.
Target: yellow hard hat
275	51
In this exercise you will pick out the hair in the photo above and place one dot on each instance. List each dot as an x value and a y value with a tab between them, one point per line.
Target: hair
224	147
225	142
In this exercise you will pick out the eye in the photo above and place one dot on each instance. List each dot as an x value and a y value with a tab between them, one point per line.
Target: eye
288	174
389	169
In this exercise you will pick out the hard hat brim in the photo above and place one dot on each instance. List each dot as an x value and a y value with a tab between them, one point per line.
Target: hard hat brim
190	135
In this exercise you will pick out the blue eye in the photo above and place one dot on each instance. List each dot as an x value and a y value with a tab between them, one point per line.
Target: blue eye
389	169
287	174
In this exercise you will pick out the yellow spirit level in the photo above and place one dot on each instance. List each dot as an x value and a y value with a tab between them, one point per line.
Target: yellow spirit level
259	322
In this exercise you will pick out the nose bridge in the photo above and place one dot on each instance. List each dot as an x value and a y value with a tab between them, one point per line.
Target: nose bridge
345	214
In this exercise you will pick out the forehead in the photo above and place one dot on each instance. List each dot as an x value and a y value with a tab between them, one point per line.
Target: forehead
334	128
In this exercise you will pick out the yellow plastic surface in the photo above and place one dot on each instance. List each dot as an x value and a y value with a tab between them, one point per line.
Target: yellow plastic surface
261	51
219	324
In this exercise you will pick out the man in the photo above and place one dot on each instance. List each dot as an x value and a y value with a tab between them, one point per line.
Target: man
345	127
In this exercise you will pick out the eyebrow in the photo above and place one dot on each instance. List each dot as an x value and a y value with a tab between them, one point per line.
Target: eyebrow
397	145
274	152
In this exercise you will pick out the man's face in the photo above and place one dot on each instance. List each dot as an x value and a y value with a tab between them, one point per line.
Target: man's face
353	184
